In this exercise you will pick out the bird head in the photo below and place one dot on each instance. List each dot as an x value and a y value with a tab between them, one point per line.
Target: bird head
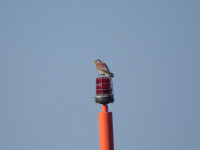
97	61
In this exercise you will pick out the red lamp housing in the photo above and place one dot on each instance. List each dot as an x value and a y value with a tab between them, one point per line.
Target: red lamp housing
104	90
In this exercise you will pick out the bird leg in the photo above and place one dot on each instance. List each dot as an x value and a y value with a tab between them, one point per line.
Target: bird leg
102	74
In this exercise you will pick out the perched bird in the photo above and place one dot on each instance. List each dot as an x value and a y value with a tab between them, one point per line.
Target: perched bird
102	68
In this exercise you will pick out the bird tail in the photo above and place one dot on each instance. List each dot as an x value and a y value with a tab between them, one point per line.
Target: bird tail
111	75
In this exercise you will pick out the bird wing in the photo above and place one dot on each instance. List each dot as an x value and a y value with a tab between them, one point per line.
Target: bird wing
102	67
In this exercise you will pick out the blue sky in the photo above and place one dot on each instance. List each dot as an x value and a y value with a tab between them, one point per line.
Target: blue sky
47	75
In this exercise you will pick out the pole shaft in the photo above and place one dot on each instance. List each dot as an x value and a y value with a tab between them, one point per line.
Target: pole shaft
106	129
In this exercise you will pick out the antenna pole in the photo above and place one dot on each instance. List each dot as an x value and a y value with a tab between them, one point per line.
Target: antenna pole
106	129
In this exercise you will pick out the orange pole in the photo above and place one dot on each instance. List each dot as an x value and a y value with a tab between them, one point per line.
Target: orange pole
106	129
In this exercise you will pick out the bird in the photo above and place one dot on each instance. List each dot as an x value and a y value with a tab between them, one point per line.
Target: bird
102	68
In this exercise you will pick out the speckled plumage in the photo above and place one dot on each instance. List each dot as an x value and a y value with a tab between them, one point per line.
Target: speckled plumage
102	68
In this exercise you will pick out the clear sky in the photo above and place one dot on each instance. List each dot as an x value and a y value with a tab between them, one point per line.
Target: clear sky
47	73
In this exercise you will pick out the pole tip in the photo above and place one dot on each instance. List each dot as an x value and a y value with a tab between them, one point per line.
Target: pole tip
104	108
